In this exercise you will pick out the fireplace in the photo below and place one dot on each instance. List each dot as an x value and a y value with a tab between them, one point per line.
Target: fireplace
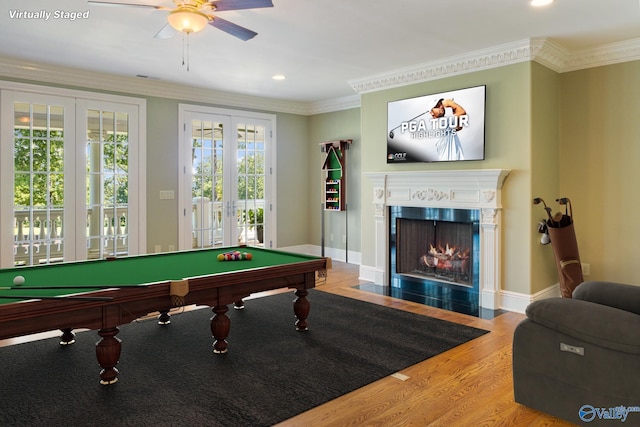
424	205
434	253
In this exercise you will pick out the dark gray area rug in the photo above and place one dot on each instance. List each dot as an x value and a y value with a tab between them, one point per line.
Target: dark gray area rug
169	375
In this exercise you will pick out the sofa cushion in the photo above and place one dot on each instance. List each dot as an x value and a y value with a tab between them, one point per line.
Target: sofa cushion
594	323
624	297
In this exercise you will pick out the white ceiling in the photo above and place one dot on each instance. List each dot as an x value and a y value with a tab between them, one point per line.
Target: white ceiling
320	45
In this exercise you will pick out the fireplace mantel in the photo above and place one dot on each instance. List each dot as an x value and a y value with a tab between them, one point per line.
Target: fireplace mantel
458	189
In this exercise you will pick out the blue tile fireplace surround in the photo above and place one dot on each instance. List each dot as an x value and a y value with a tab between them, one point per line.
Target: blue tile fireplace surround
434	254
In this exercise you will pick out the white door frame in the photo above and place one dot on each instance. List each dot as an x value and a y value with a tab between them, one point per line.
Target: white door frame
184	175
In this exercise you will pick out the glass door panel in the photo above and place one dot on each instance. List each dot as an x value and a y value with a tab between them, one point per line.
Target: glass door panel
38	183
207	184
107	183
250	167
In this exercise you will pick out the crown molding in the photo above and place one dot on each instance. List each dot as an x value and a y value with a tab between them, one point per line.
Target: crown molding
613	53
544	51
480	60
337	104
58	75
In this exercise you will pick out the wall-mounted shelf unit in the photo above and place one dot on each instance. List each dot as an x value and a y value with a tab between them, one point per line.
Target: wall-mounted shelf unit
335	174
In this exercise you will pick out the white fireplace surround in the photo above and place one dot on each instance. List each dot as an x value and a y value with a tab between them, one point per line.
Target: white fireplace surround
456	189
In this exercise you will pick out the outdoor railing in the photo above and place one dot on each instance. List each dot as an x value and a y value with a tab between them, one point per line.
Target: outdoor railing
207	222
38	235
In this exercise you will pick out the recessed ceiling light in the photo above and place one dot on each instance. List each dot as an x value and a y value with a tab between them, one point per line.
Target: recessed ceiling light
540	3
279	77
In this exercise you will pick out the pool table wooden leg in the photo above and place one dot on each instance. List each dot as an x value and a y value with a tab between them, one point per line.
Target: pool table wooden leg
301	308
67	337
108	354
164	318
220	325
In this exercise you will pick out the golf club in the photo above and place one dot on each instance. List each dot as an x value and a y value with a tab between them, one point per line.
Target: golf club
537	201
568	209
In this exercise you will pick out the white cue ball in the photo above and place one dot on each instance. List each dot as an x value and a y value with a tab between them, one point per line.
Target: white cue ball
18	280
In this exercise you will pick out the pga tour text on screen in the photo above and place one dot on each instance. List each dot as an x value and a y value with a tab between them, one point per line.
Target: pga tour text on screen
432	128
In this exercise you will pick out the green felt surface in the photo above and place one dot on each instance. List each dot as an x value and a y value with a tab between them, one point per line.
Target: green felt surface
137	270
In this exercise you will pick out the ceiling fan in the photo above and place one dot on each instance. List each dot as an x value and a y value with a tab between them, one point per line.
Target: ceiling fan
191	16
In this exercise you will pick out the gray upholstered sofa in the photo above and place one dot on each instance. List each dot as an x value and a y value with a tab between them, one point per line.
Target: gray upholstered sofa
579	358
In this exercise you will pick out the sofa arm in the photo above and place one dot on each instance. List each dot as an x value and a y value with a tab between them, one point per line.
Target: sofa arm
618	295
598	324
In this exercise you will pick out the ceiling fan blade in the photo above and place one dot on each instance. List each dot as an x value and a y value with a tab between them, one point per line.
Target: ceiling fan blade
116	4
165	32
233	29
222	5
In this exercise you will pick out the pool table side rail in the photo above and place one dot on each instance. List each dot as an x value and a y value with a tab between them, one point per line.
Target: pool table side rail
130	303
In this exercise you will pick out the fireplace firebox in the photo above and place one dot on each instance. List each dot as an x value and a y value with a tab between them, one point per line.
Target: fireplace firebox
434	253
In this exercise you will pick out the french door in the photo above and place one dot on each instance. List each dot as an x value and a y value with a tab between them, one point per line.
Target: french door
38	178
109	185
227	179
67	192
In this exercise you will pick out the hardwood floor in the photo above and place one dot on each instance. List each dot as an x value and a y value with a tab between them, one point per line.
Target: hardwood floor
470	385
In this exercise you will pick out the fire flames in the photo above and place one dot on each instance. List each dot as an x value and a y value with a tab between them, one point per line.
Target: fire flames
447	258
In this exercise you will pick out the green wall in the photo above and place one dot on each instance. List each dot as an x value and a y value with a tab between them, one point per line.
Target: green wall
330	127
545	148
294	203
599	169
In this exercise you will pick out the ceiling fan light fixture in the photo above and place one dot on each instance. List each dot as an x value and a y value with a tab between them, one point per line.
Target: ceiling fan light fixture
540	3
187	19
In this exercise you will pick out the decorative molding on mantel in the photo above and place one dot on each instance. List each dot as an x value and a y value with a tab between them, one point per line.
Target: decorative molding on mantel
479	189
544	51
457	189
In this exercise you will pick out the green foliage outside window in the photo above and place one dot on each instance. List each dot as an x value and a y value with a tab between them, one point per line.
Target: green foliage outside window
39	169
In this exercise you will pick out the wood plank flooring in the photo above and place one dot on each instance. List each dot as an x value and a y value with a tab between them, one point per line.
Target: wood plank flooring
470	385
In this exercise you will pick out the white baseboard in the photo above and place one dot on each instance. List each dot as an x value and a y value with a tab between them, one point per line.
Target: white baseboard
371	274
515	301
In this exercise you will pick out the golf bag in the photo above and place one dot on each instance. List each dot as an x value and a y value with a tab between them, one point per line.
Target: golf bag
565	247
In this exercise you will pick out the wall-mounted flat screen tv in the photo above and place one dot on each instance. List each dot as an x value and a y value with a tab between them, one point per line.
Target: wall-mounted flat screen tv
441	127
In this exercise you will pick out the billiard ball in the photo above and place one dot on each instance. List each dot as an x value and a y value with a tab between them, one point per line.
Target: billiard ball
220	257
247	256
18	280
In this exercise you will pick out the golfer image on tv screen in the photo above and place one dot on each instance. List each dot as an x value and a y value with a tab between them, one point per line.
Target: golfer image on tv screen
448	143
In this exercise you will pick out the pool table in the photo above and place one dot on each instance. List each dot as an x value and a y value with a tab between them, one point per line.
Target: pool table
103	294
